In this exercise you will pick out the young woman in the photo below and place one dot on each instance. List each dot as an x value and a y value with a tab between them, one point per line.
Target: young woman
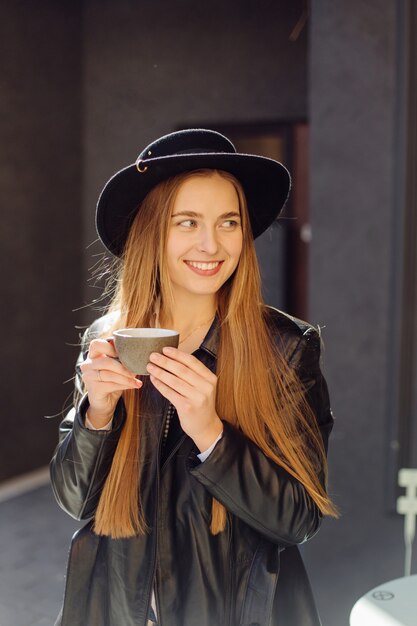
200	479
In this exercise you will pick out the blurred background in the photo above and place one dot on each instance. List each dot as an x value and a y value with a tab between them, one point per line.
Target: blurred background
330	88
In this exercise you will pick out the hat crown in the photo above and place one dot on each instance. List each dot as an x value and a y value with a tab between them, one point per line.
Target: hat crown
190	141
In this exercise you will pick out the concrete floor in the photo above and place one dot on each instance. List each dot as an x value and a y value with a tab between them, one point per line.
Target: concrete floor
34	540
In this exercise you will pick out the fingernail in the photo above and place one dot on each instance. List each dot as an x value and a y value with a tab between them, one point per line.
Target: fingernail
168	350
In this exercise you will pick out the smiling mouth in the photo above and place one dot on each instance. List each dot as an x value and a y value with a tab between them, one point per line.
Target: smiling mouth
209	268
211	265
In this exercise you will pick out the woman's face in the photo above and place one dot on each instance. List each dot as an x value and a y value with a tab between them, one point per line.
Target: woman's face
205	235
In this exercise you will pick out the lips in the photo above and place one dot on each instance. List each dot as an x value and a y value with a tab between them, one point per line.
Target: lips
207	265
207	268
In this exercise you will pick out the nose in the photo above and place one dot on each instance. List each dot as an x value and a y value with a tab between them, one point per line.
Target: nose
208	240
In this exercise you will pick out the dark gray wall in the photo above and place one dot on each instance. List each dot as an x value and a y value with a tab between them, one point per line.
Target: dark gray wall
40	176
353	121
85	85
151	67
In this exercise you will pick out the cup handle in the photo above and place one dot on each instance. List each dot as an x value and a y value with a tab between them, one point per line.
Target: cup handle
111	340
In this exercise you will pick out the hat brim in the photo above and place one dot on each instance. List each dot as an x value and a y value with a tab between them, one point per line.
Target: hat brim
266	184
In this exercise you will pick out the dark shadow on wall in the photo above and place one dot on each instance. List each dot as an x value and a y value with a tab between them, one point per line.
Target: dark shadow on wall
41	255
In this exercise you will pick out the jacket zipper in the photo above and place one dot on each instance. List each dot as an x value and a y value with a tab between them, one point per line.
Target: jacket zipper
229	599
173	451
152	585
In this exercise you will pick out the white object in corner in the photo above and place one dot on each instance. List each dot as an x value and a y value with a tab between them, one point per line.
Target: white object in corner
392	604
407	506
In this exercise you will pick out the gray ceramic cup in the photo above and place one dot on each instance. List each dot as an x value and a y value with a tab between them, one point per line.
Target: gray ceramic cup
134	345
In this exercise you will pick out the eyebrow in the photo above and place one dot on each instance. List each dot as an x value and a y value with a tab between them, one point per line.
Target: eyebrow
194	214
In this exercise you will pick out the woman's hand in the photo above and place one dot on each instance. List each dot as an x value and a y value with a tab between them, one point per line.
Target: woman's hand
191	387
105	378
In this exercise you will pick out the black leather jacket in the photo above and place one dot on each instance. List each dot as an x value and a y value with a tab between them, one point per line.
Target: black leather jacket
249	575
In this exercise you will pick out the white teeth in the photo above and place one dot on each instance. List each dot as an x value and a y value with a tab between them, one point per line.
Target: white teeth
204	266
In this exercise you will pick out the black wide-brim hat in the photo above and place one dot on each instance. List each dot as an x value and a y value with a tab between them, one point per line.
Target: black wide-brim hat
266	182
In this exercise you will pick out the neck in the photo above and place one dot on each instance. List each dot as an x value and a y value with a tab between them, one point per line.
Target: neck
190	312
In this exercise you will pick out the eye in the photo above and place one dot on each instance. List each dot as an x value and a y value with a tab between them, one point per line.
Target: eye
188	223
229	224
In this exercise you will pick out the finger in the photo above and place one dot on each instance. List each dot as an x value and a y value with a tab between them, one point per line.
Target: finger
99	376
184	366
190	361
181	371
102	390
103	362
101	346
170	380
170	394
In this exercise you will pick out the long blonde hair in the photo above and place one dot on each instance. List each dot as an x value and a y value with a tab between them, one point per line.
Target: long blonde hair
270	409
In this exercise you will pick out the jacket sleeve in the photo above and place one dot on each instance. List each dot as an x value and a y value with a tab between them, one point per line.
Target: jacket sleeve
83	457
252	486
